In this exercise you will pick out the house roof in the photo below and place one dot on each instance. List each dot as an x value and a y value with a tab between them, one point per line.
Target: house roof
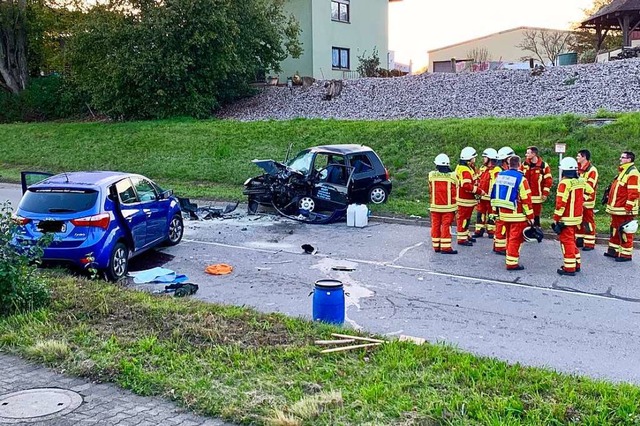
491	35
608	15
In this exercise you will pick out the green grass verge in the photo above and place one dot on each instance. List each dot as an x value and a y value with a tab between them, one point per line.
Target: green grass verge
265	368
212	158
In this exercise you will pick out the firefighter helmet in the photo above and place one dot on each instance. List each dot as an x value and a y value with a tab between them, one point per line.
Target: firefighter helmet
569	164
441	160
630	227
505	152
490	153
468	153
532	233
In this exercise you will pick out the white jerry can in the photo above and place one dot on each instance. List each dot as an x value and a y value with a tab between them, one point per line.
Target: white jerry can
361	215
351	214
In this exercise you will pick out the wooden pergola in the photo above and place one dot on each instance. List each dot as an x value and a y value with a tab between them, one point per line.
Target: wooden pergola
620	15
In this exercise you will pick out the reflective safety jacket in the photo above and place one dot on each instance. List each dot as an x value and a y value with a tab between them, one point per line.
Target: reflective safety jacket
590	174
623	195
442	188
467	187
539	177
570	201
486	179
512	196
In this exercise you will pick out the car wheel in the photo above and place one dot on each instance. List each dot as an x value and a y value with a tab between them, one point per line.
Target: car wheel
377	195
307	203
118	262
176	230
252	206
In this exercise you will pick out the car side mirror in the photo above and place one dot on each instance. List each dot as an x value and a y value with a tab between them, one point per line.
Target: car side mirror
166	194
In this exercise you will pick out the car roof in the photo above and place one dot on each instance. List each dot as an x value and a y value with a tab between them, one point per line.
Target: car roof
93	179
343	149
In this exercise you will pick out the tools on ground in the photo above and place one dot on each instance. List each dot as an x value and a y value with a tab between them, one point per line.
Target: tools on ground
345	339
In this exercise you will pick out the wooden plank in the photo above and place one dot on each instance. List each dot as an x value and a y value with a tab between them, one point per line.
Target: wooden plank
333	342
365	339
346	348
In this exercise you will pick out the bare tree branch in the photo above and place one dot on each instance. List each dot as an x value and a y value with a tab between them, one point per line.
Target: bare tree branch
546	44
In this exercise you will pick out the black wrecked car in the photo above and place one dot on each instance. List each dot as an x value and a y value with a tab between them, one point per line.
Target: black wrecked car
320	179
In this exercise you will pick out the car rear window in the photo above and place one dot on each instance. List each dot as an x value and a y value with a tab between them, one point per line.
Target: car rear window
58	200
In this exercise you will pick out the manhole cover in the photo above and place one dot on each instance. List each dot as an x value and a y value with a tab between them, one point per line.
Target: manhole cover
35	405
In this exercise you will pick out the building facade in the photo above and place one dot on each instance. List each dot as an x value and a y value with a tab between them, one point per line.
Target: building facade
334	33
501	47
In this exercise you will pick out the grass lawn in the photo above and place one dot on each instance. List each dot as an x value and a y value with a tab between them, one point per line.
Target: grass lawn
265	369
211	159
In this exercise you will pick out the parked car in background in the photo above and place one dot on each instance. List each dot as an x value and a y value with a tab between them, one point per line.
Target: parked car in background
97	219
321	178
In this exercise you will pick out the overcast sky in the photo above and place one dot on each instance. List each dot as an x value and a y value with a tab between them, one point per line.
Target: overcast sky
416	26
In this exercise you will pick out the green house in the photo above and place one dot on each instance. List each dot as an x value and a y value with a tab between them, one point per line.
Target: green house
334	33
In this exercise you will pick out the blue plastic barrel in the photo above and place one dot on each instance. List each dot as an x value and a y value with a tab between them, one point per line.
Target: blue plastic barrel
328	302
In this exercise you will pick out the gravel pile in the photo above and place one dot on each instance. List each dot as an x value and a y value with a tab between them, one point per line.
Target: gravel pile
579	89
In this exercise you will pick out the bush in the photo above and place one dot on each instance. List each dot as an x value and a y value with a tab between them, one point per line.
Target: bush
45	98
21	288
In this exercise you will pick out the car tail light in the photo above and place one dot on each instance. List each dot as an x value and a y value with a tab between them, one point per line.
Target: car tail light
100	221
386	174
19	220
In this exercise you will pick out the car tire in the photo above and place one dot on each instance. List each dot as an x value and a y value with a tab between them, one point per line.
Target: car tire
307	203
118	262
252	206
176	230
378	195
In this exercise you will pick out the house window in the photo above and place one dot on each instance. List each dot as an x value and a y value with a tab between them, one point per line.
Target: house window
340	11
340	58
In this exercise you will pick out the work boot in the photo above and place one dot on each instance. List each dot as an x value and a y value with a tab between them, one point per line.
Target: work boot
578	268
580	242
610	253
500	252
465	243
478	234
586	248
623	259
562	271
473	240
489	235
515	268
436	250
449	252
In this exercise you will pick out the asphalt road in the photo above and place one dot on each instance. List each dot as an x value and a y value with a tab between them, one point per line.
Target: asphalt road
587	324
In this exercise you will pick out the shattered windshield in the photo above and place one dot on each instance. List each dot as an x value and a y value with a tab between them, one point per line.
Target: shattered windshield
301	162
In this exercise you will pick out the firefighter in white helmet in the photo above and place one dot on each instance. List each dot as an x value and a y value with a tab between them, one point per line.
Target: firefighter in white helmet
567	215
467	191
442	204
486	176
500	236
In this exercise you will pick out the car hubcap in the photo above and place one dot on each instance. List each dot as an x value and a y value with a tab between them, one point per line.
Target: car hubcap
120	262
307	204
175	229
378	195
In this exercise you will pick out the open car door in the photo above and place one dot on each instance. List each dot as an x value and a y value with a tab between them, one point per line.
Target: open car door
30	178
331	191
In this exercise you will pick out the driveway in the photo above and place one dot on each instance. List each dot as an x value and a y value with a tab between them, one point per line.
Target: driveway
587	324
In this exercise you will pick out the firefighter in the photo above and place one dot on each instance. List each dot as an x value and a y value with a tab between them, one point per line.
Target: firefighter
538	174
442	187
486	176
622	205
500	236
567	215
512	196
586	236
467	192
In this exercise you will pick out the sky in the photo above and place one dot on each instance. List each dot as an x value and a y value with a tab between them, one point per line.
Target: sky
416	26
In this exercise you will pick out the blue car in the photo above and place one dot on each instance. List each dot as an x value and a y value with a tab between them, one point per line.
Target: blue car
96	219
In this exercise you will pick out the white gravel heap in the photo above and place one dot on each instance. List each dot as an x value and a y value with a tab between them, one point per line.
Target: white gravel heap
578	89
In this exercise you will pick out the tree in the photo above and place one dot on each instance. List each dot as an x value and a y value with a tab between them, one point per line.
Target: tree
13	45
154	59
585	40
479	54
369	66
545	44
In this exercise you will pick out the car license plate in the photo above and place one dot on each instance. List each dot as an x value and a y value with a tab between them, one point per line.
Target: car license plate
48	226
